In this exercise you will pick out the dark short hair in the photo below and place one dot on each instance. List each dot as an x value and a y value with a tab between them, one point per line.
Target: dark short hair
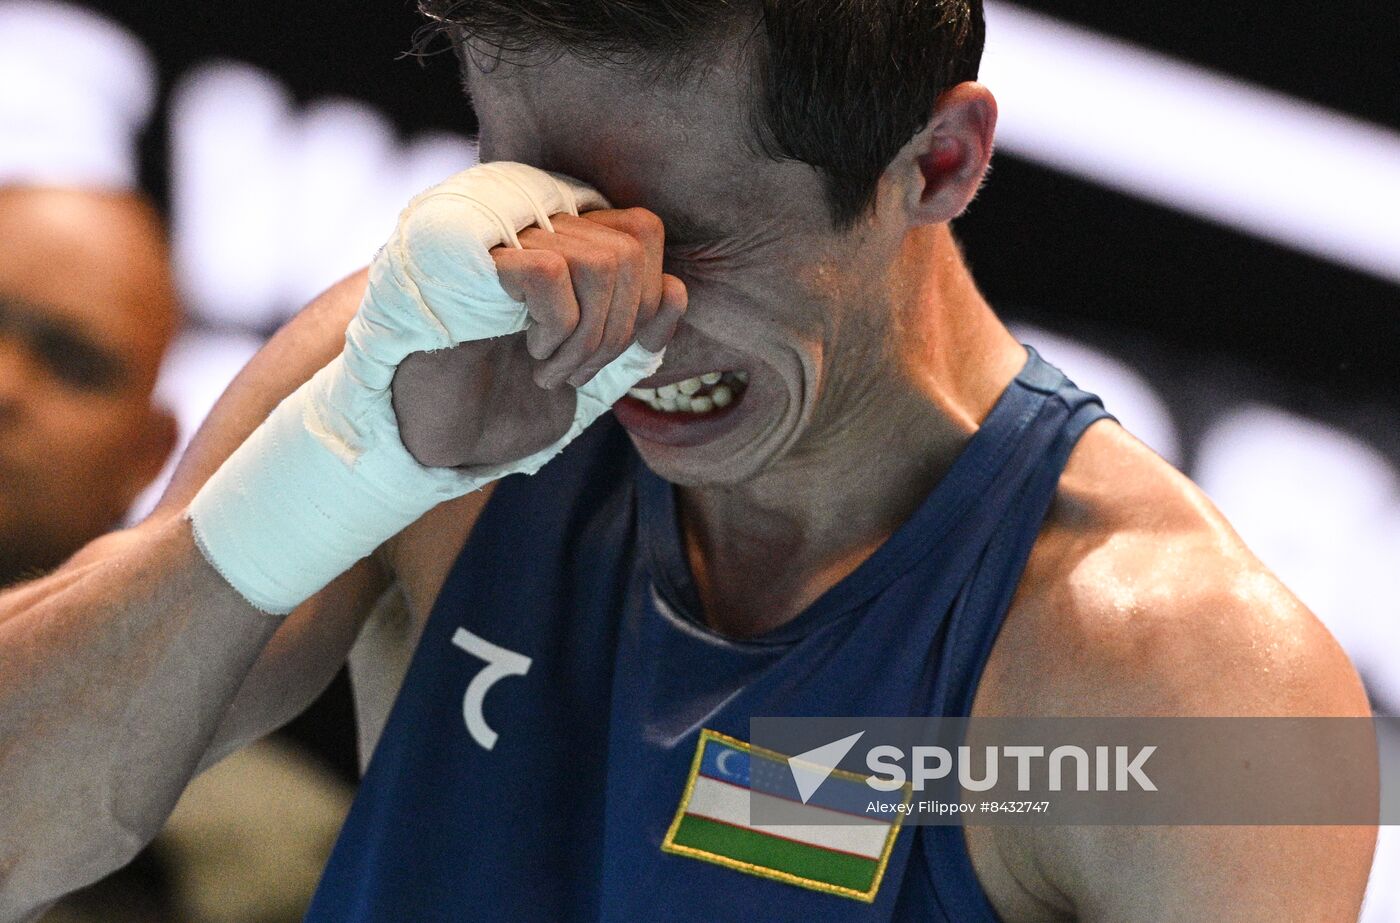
840	85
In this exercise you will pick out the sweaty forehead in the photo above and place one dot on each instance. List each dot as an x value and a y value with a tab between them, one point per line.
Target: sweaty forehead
681	147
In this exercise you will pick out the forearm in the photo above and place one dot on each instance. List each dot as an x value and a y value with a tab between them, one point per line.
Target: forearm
114	675
119	673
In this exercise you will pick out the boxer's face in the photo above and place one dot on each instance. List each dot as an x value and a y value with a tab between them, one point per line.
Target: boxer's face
777	296
80	342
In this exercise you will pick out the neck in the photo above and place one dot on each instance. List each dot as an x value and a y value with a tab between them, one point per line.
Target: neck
883	436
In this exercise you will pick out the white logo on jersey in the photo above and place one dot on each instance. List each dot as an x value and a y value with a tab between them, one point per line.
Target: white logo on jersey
500	663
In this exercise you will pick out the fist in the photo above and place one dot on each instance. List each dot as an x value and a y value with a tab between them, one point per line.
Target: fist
591	287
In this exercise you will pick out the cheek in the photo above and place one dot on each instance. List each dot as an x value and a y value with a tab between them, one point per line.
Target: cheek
67	461
752	307
79	438
783	333
780	341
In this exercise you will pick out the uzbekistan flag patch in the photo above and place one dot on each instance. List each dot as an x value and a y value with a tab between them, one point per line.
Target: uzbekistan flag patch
836	845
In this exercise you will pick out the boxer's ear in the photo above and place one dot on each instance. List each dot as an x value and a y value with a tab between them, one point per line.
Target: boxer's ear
942	167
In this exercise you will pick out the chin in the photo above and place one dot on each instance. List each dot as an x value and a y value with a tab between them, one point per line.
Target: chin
687	468
719	451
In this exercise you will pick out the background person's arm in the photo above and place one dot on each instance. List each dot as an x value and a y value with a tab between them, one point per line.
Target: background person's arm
117	671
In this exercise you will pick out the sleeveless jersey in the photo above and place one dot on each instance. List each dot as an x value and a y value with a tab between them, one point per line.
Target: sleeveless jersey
547	728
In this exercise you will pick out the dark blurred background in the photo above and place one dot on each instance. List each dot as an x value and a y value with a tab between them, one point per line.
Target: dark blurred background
1195	210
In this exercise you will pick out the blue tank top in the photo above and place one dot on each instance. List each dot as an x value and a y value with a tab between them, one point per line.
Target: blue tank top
547	728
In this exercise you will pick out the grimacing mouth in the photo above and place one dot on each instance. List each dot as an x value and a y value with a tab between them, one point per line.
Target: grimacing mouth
700	394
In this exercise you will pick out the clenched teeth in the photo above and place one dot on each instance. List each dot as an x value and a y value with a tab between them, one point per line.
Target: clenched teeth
700	394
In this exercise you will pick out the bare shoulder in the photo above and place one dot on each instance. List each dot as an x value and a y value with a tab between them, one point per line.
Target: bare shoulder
1140	599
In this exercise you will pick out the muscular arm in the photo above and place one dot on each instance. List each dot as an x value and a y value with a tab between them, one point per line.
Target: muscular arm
136	663
1254	651
118	670
1248	648
1167	617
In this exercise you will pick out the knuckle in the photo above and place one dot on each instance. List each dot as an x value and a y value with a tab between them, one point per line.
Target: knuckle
631	252
567	314
674	296
552	267
555	329
602	262
653	292
645	223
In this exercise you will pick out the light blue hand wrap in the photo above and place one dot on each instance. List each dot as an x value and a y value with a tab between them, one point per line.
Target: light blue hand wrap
326	479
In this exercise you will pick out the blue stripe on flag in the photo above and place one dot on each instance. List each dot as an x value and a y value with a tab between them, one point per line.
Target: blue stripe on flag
726	763
773	777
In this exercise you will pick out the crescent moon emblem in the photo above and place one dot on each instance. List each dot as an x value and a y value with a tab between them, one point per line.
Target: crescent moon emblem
719	762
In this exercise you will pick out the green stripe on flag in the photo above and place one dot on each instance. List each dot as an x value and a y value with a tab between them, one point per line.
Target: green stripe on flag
798	859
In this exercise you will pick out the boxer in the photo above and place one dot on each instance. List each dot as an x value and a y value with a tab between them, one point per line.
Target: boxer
831	484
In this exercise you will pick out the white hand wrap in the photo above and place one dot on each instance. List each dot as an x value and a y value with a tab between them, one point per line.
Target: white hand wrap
326	479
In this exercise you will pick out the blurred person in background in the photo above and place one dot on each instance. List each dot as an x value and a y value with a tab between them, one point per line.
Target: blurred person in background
87	312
